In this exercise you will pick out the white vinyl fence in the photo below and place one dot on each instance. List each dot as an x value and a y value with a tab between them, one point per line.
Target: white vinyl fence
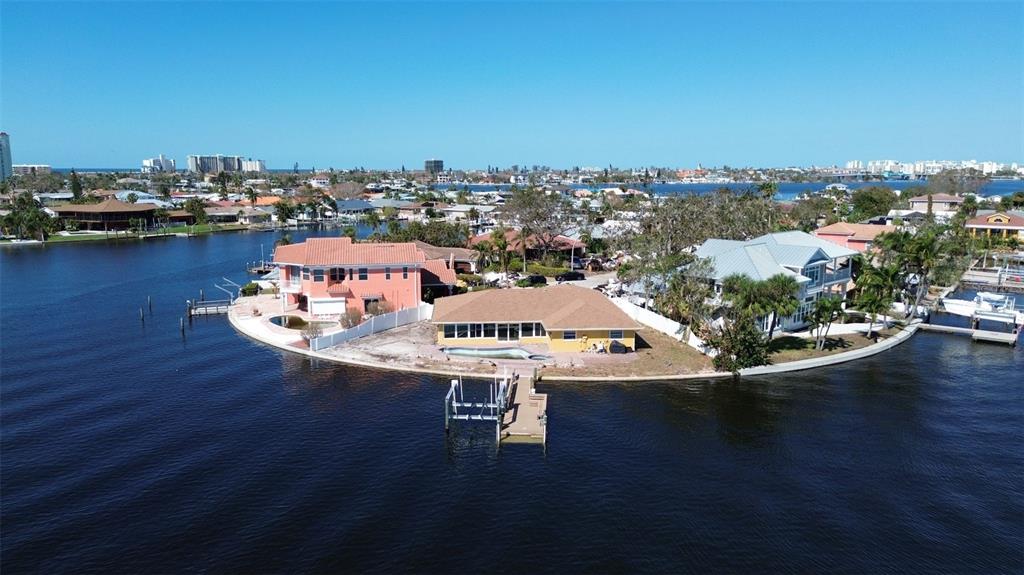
658	322
375	324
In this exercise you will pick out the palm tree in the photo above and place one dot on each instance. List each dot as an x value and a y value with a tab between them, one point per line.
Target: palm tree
524	234
373	220
500	244
826	310
250	193
473	215
746	295
922	254
877	285
483	250
780	296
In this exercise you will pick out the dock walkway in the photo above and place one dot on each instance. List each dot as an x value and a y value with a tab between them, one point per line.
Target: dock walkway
976	334
525	421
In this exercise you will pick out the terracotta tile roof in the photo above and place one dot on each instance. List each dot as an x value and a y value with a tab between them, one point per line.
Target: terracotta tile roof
267	200
1014	220
866	232
342	251
111	205
442	253
512	237
436	272
557	307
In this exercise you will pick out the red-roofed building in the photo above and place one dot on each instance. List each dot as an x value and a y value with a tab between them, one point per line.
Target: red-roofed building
328	276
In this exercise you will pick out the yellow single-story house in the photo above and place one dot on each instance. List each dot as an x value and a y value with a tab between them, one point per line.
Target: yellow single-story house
565	318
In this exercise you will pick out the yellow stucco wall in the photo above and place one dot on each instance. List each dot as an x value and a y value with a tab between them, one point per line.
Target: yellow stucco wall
584	340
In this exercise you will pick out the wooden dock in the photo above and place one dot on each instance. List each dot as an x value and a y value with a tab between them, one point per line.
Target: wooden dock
517	411
976	334
526	419
212	307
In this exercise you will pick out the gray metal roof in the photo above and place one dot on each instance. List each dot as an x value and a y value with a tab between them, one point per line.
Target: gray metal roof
769	255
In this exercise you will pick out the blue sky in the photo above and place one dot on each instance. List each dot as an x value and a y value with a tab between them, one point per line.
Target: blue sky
588	84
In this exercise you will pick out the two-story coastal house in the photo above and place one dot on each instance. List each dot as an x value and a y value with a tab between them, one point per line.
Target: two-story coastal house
330	276
819	266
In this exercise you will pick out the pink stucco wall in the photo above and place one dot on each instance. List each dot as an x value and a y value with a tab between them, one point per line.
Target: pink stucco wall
398	292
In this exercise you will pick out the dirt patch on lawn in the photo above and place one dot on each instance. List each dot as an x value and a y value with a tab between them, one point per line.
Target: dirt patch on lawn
656	354
791	348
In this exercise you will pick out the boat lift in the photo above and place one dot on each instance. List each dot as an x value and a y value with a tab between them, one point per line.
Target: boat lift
499	400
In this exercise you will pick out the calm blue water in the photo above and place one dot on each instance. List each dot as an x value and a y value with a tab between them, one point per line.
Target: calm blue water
128	448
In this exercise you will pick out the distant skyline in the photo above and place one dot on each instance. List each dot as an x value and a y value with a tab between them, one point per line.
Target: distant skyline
576	84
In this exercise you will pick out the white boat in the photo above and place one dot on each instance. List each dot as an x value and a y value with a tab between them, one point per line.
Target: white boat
987	305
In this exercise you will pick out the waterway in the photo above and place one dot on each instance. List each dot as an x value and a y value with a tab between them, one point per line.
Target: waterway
127	447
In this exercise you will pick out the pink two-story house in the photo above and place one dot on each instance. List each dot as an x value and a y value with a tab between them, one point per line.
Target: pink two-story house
329	276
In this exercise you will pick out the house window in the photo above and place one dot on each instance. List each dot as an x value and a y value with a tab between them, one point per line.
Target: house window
527	330
513	332
405	272
569	334
449	331
318	275
489	329
538	330
364	273
476	330
387	273
305	273
349	274
337	274
815	274
502	332
462	331
615	334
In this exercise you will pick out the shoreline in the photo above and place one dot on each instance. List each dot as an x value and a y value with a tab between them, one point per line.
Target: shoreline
790	366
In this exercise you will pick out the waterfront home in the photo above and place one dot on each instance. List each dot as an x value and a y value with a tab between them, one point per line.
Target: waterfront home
858	237
534	245
565	318
329	276
460	260
353	207
992	223
820	267
110	214
940	203
237	213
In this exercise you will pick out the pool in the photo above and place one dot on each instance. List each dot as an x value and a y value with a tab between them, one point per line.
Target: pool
494	352
296	322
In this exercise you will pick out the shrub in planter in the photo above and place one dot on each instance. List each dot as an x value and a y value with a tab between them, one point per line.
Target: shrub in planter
249	289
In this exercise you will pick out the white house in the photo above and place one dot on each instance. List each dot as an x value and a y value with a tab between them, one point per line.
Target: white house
819	266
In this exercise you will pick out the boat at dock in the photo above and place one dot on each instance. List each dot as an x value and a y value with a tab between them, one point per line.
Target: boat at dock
986	305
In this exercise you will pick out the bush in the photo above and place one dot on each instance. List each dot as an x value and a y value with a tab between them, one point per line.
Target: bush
471	279
250	289
311	331
351	318
546	270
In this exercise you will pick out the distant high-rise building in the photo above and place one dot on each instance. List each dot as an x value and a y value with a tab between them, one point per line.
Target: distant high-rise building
158	164
214	164
252	165
29	169
5	157
855	165
434	166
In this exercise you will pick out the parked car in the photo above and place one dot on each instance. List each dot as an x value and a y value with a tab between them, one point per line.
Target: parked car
532	280
570	276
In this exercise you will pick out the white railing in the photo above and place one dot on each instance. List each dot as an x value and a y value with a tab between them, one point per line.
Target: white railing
839	275
375	324
653	320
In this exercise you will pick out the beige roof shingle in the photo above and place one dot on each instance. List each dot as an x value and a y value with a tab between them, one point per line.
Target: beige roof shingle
557	307
342	251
